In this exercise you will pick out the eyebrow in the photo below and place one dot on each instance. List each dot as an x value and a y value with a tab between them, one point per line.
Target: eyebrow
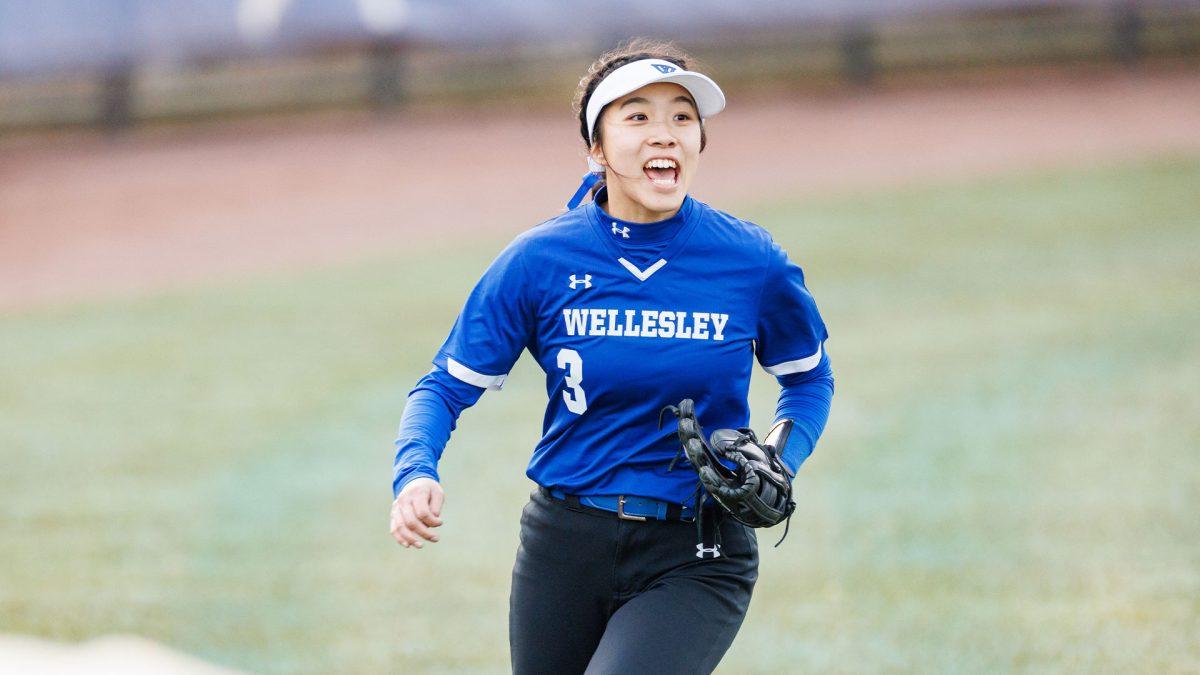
639	99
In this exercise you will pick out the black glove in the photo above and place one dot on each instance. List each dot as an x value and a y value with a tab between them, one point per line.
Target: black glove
758	491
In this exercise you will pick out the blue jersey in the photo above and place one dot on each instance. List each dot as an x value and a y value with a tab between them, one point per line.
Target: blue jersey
625	318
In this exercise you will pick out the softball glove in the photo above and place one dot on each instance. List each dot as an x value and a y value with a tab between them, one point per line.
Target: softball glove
757	491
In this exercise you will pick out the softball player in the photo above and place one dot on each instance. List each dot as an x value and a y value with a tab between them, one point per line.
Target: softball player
638	298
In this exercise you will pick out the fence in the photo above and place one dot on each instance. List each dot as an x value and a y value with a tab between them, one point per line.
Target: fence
141	62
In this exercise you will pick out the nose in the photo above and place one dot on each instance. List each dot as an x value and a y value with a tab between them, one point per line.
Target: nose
662	137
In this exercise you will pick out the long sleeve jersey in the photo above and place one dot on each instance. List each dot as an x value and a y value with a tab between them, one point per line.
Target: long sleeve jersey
625	318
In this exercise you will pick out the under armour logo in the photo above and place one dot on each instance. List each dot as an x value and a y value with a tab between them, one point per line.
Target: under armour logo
623	231
701	550
663	68
586	281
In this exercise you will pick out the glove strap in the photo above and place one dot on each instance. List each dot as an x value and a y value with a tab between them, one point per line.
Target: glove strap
786	526
700	549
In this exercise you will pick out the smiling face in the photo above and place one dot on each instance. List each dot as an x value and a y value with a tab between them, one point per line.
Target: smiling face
650	148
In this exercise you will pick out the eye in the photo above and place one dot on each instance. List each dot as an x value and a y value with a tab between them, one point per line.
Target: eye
682	117
641	115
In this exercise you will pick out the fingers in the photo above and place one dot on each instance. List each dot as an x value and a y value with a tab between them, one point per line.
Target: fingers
435	500
414	524
414	512
400	531
421	507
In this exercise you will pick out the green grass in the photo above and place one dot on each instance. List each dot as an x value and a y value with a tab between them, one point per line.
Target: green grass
1010	479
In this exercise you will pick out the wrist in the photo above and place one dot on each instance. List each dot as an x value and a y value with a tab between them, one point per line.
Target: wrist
405	480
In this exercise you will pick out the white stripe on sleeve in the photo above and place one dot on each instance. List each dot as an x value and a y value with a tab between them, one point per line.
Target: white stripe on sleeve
797	366
469	376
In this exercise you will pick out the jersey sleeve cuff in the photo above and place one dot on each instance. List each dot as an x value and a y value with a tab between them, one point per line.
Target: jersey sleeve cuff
403	479
464	373
797	365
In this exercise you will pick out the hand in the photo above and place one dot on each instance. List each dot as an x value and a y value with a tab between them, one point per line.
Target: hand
417	508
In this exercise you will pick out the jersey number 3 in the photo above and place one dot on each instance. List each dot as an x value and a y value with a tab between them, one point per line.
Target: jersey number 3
573	395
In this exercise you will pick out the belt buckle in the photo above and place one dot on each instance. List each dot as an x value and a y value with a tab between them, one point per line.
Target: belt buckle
621	510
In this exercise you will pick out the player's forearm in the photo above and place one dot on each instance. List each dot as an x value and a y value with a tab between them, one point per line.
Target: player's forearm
425	428
805	399
414	465
430	415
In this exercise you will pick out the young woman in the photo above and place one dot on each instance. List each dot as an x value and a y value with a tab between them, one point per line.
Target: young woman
635	300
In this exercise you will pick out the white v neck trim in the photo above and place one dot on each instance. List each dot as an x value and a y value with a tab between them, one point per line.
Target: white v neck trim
642	275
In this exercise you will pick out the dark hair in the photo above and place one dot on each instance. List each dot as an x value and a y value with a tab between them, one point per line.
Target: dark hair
635	49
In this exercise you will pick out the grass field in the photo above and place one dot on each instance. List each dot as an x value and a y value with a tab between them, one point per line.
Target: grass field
1010	479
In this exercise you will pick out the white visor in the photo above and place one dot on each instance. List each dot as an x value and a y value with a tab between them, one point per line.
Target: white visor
710	100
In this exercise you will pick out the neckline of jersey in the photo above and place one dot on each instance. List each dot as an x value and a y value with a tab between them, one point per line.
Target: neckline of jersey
644	234
683	223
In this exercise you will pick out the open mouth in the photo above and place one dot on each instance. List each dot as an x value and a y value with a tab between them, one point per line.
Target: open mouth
662	172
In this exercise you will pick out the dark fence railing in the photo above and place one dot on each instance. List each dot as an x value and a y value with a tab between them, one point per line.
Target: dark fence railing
117	62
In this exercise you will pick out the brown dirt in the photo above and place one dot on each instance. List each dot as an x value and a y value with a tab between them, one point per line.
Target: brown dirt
84	216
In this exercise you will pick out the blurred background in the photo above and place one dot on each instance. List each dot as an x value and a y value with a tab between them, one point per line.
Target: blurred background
233	234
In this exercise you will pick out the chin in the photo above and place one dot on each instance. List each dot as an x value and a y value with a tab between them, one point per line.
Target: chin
660	202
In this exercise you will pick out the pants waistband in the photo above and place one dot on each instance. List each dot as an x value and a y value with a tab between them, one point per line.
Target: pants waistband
625	507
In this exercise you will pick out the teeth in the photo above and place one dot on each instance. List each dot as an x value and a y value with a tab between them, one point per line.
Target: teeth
661	164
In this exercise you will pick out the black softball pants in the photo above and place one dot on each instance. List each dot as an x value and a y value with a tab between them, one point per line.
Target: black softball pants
594	594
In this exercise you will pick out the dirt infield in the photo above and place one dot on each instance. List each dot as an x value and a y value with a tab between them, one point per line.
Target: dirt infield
90	217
